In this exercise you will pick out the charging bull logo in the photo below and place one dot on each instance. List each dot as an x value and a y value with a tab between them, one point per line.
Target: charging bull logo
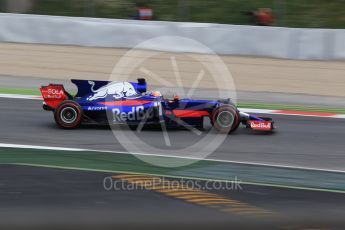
116	89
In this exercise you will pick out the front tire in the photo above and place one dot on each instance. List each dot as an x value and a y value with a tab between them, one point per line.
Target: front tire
225	119
68	115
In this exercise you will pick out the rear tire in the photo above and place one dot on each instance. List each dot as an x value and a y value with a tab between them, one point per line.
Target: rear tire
225	119
68	115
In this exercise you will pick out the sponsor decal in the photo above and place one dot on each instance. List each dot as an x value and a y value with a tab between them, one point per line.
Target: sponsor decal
115	89
97	108
53	95
135	114
261	125
53	92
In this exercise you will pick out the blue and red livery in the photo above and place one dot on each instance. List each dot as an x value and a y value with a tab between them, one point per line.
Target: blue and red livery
129	103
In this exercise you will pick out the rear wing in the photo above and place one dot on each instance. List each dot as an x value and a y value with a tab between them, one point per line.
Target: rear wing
53	95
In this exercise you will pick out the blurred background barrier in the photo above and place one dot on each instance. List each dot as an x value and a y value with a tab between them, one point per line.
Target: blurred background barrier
286	13
277	42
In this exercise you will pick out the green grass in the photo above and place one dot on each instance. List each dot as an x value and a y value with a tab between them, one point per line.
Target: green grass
289	13
34	92
203	170
92	160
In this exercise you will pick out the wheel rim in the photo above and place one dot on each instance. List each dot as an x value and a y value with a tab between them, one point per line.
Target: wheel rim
68	115
225	119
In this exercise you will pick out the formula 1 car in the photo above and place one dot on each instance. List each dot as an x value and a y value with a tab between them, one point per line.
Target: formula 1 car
129	103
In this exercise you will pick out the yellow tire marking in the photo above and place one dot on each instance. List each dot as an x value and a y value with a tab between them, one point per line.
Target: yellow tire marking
208	199
180	191
196	196
186	195
246	210
214	202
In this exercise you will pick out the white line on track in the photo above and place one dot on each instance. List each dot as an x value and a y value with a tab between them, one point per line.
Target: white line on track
19	96
342	116
265	111
4	145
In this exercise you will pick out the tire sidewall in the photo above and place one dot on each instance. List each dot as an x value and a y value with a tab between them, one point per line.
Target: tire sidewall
233	111
60	122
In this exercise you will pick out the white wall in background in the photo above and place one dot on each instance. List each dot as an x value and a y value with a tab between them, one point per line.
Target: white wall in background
292	43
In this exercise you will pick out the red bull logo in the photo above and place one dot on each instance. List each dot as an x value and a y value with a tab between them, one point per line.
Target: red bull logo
115	89
261	125
135	114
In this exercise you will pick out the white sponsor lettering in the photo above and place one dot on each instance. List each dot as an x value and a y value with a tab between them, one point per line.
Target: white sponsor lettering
58	96
96	108
135	114
55	91
260	125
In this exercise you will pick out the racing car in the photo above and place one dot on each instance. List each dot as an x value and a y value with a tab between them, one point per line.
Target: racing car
129	103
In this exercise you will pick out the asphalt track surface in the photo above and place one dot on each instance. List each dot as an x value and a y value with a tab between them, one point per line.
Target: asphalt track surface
298	141
35	198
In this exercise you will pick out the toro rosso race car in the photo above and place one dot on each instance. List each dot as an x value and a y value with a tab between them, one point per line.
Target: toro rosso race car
129	103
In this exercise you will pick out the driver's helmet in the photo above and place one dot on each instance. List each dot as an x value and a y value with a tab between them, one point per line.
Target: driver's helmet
155	94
